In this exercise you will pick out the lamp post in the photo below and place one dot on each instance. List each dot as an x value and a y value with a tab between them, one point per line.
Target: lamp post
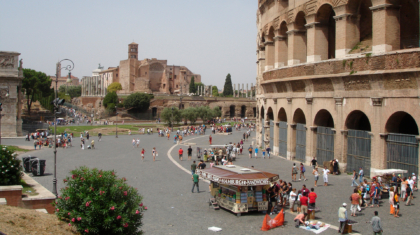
1	108
116	127
69	68
172	119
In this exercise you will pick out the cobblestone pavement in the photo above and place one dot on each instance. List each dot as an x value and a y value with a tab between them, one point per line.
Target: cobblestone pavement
166	189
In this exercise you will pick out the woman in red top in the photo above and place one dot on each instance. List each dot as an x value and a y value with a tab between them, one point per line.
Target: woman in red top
142	154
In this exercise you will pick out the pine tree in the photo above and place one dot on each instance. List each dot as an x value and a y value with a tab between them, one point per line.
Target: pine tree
192	86
227	89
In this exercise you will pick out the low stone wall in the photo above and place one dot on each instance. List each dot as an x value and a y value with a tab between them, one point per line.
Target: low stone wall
12	193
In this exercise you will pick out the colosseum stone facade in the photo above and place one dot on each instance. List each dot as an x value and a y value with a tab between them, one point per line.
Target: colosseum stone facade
340	80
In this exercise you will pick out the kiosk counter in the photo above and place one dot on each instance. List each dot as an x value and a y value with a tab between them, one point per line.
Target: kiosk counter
238	189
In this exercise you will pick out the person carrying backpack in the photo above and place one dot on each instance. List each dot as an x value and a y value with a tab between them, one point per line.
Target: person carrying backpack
250	151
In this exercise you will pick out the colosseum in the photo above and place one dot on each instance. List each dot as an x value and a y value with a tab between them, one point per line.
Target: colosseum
340	79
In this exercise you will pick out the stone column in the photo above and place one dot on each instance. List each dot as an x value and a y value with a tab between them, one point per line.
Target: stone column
211	91
234	90
242	90
385	28
82	86
269	50
296	46
252	85
346	33
96	87
246	95
317	40
280	45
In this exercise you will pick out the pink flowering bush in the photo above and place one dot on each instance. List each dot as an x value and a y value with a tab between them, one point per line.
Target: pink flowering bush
97	202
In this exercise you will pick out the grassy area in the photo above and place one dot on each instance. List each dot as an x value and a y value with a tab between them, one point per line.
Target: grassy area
27	189
15	148
78	129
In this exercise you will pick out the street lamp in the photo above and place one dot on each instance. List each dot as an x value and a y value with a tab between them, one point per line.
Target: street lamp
69	68
172	119
116	127
1	108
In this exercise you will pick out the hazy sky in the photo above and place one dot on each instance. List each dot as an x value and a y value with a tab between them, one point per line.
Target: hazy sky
212	38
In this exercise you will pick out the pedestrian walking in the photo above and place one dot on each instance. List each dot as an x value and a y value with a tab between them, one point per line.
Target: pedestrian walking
314	163
142	154
137	142
391	200
326	172
396	204
180	152
154	153
133	142
92	143
312	198
409	192
210	139
294	172
82	143
302	172
195	180
354	178
355	200
361	174
189	152
193	168
342	218
256	151
376	224
249	150
268	152
316	175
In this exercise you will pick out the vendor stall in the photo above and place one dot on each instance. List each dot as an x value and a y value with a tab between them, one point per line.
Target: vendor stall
237	188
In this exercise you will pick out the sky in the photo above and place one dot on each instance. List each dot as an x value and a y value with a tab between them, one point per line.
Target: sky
211	38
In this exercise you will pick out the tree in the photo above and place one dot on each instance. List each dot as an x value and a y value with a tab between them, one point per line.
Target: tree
227	89
205	113
115	86
193	89
171	115
190	114
215	91
217	112
35	84
111	97
138	101
73	91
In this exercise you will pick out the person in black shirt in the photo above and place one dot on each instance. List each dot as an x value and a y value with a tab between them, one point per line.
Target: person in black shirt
314	163
201	165
189	152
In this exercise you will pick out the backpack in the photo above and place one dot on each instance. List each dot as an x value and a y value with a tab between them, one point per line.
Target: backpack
356	176
303	169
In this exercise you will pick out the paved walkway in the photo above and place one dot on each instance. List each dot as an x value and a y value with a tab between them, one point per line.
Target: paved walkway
166	187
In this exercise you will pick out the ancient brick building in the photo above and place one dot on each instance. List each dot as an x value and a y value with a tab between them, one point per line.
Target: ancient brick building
340	79
148	75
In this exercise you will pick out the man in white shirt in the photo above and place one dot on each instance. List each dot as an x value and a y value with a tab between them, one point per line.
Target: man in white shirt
325	176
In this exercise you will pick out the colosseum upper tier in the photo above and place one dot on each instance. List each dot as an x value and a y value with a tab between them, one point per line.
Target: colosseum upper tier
340	79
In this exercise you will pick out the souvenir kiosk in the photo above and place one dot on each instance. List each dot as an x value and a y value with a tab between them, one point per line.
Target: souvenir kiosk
238	189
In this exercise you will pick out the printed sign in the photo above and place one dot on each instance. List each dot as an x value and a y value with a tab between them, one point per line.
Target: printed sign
239	182
262	206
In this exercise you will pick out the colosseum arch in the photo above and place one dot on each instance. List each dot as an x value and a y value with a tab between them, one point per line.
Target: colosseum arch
299	40
325	135
361	20
269	49
402	146
282	125
281	46
299	135
270	135
409	23
325	42
359	142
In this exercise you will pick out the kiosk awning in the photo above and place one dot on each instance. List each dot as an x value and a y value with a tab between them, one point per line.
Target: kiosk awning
237	175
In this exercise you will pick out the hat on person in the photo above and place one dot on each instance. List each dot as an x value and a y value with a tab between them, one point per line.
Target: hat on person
344	204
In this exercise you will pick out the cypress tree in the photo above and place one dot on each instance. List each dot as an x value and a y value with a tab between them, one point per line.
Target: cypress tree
227	89
192	86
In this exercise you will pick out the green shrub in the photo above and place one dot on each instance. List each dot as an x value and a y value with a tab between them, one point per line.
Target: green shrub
120	105
138	101
110	98
10	168
97	202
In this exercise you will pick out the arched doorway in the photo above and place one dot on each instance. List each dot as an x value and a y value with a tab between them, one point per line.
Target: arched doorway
232	111
401	143
324	136
270	118
255	111
300	120
361	37
282	133
325	16
358	142
282	46
154	112
243	111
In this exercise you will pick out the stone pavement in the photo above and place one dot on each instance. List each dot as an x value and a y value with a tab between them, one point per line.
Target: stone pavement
166	189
